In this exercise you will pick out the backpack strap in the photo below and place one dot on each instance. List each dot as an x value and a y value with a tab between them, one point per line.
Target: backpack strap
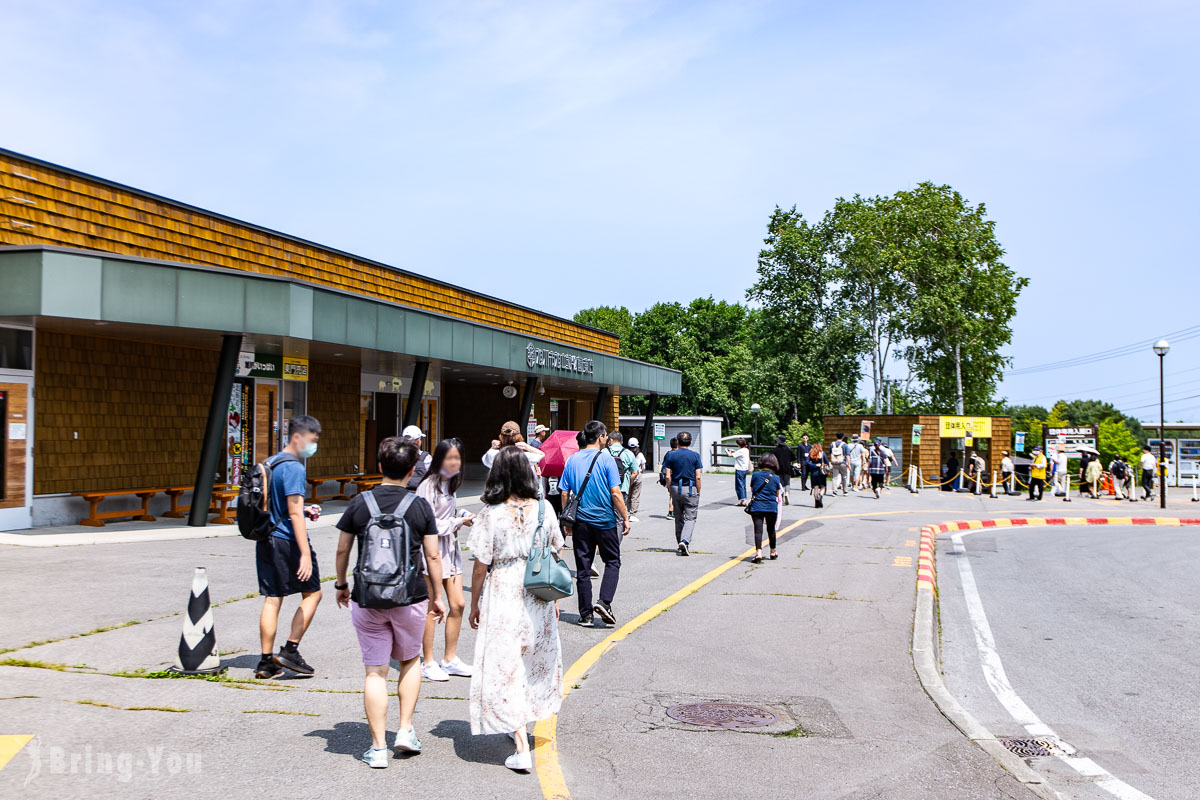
372	504
402	506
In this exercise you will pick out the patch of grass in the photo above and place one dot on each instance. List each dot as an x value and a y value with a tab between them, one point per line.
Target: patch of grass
31	664
795	733
235	599
159	708
232	652
97	704
337	691
92	632
436	697
278	711
222	678
576	686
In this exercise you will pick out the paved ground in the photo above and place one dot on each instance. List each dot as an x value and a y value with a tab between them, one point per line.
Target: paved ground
1096	627
820	637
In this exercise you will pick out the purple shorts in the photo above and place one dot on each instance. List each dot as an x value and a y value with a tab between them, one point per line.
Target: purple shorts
387	633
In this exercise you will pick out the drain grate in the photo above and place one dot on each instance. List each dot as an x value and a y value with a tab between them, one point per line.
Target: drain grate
1031	748
723	715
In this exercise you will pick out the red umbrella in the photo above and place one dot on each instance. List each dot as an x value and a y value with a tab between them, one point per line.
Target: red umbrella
560	446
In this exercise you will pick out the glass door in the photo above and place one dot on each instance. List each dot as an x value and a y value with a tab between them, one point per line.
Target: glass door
16	453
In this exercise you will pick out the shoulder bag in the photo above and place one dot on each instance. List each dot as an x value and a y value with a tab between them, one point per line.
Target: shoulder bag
571	509
754	497
547	576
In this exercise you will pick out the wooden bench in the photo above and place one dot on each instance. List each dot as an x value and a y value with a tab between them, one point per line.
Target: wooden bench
222	495
342	481
367	482
95	519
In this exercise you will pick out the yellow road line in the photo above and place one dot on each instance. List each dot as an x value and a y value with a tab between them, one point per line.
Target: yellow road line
545	732
11	744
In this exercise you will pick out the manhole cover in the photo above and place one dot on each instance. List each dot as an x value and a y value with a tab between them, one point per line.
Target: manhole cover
1030	748
723	715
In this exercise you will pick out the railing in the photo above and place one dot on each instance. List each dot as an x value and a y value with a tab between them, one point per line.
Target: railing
719	458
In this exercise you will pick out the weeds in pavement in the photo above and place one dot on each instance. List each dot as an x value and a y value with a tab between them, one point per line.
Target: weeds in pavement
236	683
832	595
30	663
795	733
93	631
94	703
278	711
158	708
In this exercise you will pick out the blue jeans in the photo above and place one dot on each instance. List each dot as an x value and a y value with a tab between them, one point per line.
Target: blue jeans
739	476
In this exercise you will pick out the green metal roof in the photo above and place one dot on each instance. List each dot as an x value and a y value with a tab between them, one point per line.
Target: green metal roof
43	280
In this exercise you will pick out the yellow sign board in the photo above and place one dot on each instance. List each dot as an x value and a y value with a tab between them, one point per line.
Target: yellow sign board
295	369
957	427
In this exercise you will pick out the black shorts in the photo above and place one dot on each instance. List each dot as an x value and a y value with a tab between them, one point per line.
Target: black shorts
278	560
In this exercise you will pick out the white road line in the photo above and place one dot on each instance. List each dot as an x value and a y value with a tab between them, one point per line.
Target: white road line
997	681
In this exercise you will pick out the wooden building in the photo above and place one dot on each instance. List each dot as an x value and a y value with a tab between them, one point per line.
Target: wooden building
123	310
928	439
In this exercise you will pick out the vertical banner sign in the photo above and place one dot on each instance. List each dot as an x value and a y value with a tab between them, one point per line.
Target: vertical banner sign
233	454
916	434
660	430
968	439
865	431
248	424
1019	446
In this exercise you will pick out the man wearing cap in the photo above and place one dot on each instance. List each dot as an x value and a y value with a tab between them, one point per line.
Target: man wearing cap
627	466
1037	473
423	460
635	483
539	435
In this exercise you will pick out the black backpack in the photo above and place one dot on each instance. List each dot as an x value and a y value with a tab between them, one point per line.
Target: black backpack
621	467
254	497
387	576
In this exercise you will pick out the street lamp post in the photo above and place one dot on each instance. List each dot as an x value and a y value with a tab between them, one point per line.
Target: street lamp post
1160	349
754	409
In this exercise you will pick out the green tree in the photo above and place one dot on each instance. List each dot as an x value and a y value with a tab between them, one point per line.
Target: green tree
615	320
1093	412
1030	420
1116	439
961	296
808	349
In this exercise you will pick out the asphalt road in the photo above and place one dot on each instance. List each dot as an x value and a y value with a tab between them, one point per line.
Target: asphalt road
1097	629
820	639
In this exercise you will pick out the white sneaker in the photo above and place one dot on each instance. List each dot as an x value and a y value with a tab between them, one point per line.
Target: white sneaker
376	759
407	741
520	762
456	667
632	518
432	672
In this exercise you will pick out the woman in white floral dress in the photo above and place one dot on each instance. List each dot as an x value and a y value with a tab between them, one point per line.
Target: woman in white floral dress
517	678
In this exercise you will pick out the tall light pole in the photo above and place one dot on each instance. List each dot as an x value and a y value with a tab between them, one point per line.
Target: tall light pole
754	409
1160	349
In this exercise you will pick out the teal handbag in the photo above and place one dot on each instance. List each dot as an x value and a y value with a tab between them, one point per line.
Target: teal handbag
547	576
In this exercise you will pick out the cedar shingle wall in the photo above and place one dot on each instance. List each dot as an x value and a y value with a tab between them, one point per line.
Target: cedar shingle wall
139	409
333	399
40	205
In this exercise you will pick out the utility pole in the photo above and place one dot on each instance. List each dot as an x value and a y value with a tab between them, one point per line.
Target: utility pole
1160	349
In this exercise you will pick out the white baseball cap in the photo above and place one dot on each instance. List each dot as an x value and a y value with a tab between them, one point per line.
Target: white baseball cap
413	432
633	441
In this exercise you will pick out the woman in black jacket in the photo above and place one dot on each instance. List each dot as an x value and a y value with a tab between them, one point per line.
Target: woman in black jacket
815	462
784	455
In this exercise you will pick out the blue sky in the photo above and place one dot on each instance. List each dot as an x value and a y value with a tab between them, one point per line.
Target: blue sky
570	154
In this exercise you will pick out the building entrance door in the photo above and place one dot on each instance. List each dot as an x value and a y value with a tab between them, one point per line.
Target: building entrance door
16	453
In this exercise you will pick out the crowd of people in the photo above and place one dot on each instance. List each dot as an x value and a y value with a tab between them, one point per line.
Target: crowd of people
408	577
409	574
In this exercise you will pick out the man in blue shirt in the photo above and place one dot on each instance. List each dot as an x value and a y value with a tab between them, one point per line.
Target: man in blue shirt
285	560
596	521
539	435
683	469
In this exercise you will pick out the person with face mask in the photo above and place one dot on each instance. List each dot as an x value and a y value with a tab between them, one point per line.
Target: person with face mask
439	488
286	562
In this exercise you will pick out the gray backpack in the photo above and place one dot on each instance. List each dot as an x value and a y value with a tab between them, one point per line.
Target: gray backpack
387	576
